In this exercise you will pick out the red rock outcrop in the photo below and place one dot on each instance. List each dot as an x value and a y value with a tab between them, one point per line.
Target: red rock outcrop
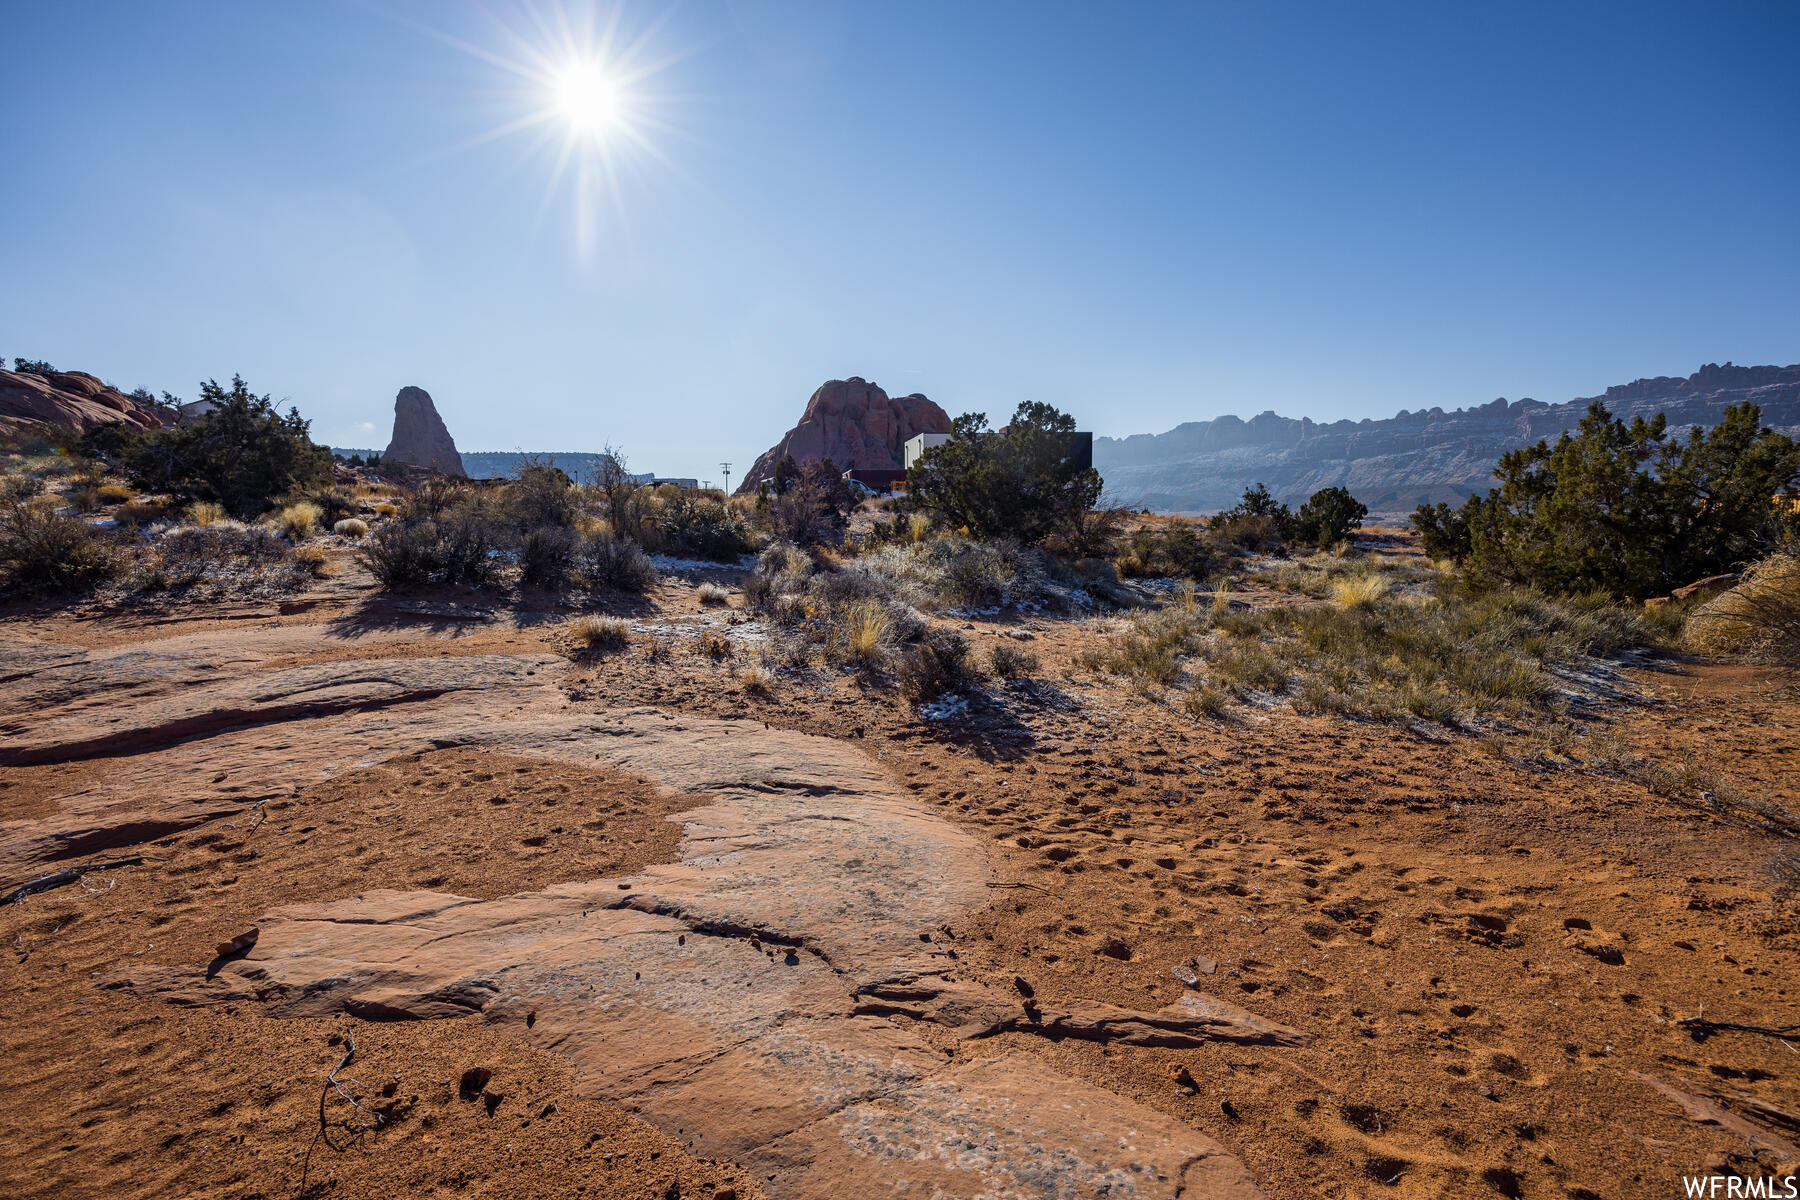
67	399
420	437
856	425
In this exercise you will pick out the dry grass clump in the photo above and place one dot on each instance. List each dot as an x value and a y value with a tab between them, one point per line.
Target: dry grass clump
205	512
955	573
311	557
134	514
865	629
600	633
1359	591
1449	656
1206	700
219	560
350	527
1151	646
756	681
1251	666
298	520
713	594
1758	620
979	575
1694	784
851	618
112	493
1324	576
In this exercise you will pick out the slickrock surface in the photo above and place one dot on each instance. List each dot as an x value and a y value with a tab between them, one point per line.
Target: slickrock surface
71	399
740	996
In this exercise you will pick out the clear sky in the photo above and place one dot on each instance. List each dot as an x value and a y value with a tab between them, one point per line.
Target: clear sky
1141	214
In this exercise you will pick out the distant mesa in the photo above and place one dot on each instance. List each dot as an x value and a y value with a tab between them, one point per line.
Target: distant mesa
1413	458
67	399
856	425
420	437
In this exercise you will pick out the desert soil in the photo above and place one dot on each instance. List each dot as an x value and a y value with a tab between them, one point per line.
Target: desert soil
1422	964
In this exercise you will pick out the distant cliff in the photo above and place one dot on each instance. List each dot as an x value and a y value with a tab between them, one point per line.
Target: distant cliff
1412	458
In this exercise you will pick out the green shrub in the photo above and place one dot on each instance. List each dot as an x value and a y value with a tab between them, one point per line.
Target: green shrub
1252	665
702	529
456	548
1021	483
1623	509
1328	517
468	538
242	453
1178	548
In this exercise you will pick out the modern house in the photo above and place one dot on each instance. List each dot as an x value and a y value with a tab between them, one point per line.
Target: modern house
1081	447
918	444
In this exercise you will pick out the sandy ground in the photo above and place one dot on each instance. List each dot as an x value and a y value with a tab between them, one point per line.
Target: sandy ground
1490	949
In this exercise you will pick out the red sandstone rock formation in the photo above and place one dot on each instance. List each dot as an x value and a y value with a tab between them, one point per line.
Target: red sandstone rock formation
855	424
420	437
69	399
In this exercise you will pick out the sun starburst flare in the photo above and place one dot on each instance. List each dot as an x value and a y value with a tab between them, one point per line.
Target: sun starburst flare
582	95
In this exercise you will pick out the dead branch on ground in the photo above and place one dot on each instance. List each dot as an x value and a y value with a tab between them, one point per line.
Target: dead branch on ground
334	1084
69	875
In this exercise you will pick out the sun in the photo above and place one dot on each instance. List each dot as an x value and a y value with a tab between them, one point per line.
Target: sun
588	98
586	92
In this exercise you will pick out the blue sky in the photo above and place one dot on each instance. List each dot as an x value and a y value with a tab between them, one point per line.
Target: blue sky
1143	215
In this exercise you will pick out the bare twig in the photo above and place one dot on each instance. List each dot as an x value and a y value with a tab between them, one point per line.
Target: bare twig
1034	887
334	1084
70	874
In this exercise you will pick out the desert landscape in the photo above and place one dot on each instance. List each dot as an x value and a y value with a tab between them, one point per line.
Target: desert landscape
457	844
609	600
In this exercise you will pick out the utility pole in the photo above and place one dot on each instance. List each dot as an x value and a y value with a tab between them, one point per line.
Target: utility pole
726	467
